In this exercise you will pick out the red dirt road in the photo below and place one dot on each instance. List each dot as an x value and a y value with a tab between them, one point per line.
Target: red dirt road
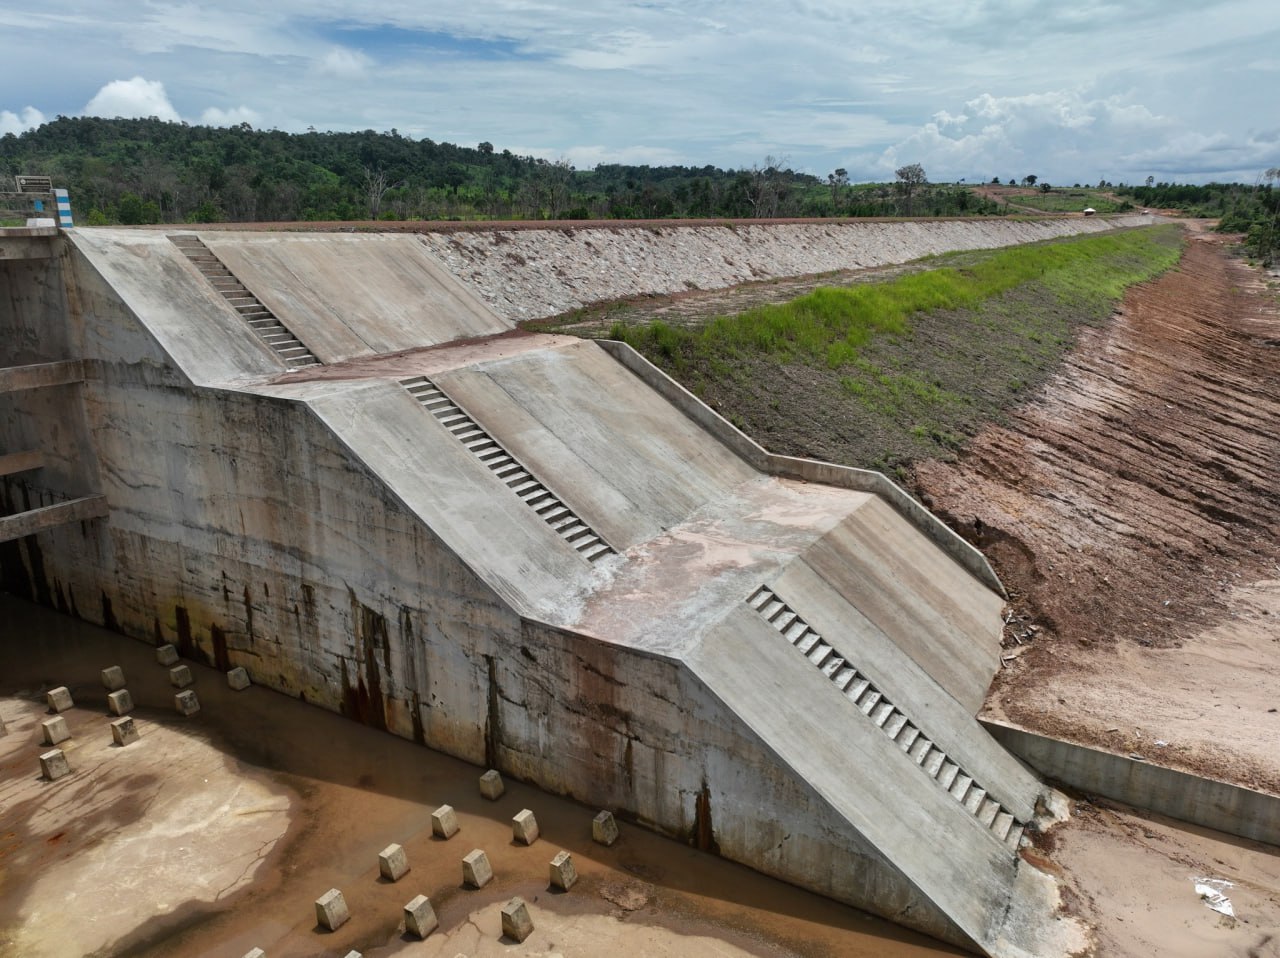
1131	508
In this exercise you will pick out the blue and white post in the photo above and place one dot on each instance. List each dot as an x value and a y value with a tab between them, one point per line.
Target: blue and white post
64	209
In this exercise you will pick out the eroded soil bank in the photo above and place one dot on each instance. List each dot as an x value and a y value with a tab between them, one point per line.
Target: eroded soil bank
1131	509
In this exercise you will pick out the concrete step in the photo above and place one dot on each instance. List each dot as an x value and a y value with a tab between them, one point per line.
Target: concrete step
974	799
832	666
598	551
855	690
880	714
907	737
933	763
844	677
870	699
960	788
818	654
772	608
795	630
760	597
897	722
1002	824
808	640
947	773
920	749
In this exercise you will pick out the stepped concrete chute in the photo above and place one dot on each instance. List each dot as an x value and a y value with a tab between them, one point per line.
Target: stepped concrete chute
785	671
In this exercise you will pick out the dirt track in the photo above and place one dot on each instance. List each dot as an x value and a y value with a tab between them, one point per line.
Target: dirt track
1131	510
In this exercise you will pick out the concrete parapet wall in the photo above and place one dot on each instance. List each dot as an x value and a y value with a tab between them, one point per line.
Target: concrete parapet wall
862	480
527	274
1181	795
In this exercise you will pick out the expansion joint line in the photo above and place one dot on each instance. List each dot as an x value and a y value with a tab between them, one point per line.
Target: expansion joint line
891	720
506	467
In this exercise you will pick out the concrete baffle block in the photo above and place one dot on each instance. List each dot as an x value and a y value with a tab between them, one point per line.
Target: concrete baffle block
238	678
123	731
54	730
180	676
491	786
331	910
524	827
120	702
444	822
516	923
113	678
476	870
186	703
604	830
59	699
255	953
420	918
563	875
167	655
53	765
393	863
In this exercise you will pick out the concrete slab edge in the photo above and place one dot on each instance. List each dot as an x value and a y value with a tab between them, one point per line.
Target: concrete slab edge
1181	795
809	470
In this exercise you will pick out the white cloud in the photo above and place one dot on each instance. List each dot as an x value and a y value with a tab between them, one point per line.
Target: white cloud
233	117
1060	135
28	118
132	98
343	63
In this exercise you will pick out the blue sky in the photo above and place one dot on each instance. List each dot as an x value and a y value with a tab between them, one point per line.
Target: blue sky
1070	92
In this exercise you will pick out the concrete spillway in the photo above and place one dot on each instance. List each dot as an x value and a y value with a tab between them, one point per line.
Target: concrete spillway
531	552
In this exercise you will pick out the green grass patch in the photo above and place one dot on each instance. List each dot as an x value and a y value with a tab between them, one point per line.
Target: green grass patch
1070	201
880	374
831	325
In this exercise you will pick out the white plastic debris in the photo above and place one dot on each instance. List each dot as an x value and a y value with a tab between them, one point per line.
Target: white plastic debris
1211	891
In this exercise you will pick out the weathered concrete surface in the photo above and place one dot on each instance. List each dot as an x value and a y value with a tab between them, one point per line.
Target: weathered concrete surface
40	375
330	536
46	517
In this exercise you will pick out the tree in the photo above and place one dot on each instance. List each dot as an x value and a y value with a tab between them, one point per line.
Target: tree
1029	180
910	178
1150	181
837	180
376	187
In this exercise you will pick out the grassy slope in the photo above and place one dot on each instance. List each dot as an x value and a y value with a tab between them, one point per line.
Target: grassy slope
879	375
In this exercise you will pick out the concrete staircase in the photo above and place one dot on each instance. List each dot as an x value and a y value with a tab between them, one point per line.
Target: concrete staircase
272	332
507	468
863	693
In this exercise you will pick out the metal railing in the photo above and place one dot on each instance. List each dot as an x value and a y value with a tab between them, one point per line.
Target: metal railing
34	198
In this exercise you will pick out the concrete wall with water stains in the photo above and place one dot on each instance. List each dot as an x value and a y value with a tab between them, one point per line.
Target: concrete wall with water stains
243	531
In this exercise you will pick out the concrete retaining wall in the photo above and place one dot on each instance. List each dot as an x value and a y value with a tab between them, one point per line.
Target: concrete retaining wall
1180	795
527	274
810	470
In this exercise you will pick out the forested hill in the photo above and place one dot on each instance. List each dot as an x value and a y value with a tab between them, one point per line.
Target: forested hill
150	171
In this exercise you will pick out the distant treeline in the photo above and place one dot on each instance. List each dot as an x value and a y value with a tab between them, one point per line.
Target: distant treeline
1252	210
149	171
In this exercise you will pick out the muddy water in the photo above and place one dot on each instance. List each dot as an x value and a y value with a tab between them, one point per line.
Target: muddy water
341	792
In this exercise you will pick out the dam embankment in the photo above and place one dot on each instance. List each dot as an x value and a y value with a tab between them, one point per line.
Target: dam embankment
532	273
328	459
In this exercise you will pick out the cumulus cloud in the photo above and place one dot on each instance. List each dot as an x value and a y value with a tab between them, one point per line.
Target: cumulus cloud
1064	134
132	98
28	118
233	117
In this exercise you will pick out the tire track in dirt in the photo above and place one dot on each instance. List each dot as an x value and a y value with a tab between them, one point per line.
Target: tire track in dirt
1125	506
